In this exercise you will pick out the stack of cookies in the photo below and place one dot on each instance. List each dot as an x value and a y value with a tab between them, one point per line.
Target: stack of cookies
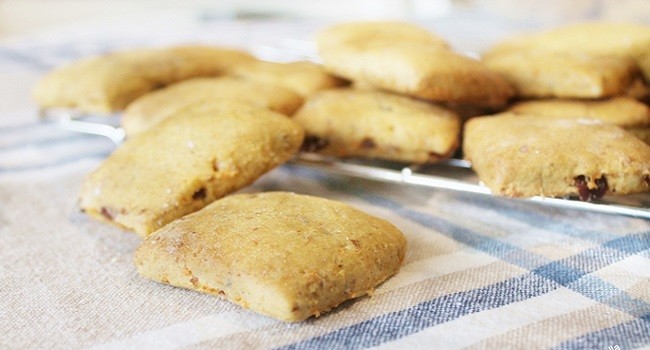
580	125
202	123
403	80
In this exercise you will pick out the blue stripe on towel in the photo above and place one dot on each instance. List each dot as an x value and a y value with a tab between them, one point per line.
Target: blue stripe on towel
401	323
566	272
628	335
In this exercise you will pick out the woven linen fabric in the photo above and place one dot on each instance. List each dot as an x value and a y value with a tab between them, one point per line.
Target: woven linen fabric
480	272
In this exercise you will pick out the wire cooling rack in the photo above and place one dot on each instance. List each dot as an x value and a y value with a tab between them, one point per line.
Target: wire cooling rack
450	175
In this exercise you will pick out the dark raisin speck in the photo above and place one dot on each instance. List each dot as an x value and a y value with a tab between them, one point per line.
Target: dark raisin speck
106	213
368	142
314	143
587	194
199	194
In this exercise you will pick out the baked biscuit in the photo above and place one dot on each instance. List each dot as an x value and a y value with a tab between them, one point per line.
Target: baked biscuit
625	112
348	122
415	67
280	254
524	155
304	78
187	161
150	109
364	35
560	74
595	38
108	83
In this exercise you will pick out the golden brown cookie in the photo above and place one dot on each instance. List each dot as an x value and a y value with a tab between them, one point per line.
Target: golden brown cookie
280	254
150	109
305	78
348	122
567	75
393	61
521	155
364	35
622	111
595	38
626	112
108	83
187	161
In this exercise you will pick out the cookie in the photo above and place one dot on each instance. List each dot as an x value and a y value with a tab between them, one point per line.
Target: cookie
595	38
363	35
520	155
304	78
349	122
393	61
106	84
187	161
280	254
150	109
625	112
621	111
567	75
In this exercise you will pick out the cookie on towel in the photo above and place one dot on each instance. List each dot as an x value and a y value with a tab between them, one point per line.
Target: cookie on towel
106	84
280	254
520	155
187	161
374	124
416	65
567	75
304	78
152	108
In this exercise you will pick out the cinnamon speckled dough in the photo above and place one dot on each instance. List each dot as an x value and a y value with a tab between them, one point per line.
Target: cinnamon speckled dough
187	161
410	64
349	122
596	38
152	108
568	75
625	112
106	84
304	78
524	155
280	254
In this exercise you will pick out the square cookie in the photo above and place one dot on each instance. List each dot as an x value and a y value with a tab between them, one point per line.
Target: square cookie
373	124
566	75
187	161
154	107
280	254
304	78
401	62
524	155
106	84
625	112
593	38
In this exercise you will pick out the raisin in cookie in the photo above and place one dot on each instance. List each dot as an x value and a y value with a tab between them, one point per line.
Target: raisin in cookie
280	254
187	161
349	122
106	84
524	155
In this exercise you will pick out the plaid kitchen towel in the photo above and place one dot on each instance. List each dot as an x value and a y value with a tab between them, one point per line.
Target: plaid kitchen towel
480	272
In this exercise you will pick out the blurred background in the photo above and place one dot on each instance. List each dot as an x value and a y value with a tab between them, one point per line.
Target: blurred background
30	17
